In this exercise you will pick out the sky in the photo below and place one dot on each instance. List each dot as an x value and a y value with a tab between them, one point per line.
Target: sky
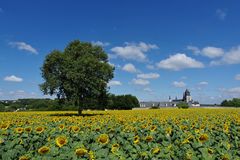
159	48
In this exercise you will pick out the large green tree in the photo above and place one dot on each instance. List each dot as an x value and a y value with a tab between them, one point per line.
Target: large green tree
79	74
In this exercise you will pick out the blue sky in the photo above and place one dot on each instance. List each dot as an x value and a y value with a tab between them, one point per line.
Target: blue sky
159	48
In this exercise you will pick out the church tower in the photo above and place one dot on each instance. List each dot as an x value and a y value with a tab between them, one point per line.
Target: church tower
187	96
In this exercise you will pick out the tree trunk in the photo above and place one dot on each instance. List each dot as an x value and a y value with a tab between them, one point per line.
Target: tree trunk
80	110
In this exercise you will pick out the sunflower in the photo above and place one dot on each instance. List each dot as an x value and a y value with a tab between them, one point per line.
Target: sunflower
39	129
75	129
24	158
136	140
103	139
61	140
43	150
5	126
156	150
203	138
28	129
153	128
115	147
80	152
61	126
19	130
91	155
168	131
149	138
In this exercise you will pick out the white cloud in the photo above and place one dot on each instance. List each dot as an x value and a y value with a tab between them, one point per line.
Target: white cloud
230	57
203	83
150	67
114	83
134	51
231	92
13	78
237	77
178	62
142	82
212	52
194	49
209	51
179	84
221	14
129	68
99	43
148	76
23	46
147	89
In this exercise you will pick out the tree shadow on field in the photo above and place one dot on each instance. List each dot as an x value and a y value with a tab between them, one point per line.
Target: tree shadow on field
76	115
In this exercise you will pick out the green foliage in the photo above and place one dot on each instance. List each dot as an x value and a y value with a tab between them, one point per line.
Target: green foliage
183	105
122	102
235	102
79	74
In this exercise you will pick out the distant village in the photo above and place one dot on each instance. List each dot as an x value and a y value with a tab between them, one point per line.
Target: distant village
187	98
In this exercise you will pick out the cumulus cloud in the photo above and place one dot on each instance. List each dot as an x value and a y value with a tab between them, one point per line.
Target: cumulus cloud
99	43
209	51
23	46
148	76
129	68
230	57
13	78
212	52
141	82
134	51
178	62
237	77
179	84
194	49
221	14
114	83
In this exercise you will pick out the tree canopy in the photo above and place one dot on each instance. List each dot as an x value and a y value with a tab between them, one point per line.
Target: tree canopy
79	74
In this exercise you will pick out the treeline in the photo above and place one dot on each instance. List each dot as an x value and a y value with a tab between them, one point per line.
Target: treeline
110	101
235	102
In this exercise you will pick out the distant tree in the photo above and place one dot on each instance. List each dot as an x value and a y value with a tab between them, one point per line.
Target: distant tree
183	105
79	74
235	102
122	102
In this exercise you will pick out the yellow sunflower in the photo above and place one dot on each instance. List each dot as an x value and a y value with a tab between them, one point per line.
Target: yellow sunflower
103	139
115	147
153	128
156	150
136	140
91	155
149	138
81	152
19	130
203	137
24	158
39	129
28	129
5	126
61	141
61	126
75	128
43	150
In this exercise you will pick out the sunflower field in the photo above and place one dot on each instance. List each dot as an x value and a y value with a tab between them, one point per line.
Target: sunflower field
136	134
